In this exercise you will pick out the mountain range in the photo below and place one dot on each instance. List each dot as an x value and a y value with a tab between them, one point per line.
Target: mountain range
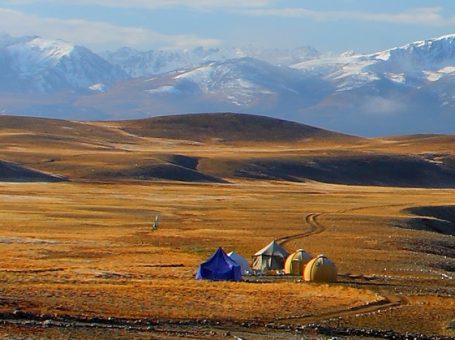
402	90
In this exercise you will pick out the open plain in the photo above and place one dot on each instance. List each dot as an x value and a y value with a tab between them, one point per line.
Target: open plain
79	257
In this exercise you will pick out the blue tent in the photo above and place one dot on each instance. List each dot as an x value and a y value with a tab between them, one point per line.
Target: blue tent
219	267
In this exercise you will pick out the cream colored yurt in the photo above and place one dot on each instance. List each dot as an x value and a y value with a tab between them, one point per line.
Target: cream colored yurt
271	257
320	269
242	262
295	263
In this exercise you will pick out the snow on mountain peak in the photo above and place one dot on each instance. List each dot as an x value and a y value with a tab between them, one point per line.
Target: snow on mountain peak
431	53
44	65
138	64
242	82
54	49
36	54
411	63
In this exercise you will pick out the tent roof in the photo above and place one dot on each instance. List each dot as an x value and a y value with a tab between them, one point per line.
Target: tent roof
220	259
273	249
233	255
301	255
240	260
319	262
219	267
236	256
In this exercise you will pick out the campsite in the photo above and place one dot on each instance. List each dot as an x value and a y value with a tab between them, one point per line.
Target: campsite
81	258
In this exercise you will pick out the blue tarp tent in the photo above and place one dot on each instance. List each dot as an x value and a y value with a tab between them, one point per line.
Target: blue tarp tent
219	267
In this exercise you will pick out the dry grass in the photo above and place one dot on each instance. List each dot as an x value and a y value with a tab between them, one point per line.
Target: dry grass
87	248
424	314
181	299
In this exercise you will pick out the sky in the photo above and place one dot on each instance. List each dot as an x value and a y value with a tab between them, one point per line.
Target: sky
364	26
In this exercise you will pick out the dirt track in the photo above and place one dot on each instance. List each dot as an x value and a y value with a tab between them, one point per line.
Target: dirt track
388	301
315	228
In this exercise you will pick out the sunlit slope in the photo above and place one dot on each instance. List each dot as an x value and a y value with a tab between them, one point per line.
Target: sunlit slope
223	147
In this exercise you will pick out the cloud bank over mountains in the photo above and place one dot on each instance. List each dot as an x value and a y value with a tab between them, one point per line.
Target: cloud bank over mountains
100	24
98	35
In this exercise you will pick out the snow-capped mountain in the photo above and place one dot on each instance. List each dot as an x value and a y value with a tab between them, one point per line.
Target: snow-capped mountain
242	83
139	64
34	64
407	89
402	89
421	61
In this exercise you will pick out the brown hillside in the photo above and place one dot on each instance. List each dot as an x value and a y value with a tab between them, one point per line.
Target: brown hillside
226	127
223	147
57	130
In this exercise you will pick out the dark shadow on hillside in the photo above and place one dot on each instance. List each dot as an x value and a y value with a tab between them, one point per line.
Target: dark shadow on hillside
375	170
439	219
11	172
168	171
182	160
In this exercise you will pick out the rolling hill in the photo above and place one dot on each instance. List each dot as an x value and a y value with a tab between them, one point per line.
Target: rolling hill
228	127
220	148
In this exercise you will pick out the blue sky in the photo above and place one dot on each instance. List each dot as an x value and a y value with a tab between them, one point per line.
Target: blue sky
328	25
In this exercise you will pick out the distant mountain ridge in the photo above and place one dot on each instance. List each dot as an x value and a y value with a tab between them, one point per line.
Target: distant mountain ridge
427	60
37	65
141	64
402	90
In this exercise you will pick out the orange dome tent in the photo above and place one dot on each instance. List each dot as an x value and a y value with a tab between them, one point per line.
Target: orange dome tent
295	263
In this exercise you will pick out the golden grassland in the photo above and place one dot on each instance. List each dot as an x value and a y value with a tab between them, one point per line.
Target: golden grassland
85	248
88	250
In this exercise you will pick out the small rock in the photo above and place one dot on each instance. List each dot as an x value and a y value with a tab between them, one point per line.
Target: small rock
47	323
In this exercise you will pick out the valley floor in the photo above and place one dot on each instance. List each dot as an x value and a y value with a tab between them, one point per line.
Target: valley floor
82	259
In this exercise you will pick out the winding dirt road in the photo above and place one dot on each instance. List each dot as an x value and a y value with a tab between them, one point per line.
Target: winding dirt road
314	228
387	301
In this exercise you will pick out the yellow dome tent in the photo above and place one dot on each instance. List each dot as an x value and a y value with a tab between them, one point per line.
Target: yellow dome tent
320	269
295	263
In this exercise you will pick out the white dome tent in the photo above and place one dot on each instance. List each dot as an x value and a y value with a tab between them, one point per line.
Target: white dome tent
242	262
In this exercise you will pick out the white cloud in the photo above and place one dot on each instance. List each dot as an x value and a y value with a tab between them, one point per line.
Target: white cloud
199	4
381	106
430	16
96	35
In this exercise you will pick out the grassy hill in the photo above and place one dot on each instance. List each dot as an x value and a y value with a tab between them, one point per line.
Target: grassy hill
227	127
223	147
